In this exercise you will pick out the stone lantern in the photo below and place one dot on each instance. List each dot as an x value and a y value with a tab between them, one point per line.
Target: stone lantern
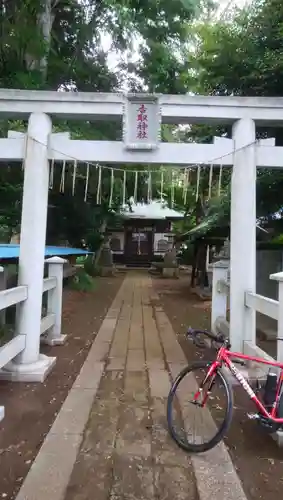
223	255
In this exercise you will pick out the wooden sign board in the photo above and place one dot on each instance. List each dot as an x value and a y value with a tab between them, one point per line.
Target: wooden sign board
142	122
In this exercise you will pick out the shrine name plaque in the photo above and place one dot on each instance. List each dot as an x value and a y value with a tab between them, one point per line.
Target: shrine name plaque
142	122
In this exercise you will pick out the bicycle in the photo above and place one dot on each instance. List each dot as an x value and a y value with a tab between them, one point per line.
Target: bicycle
267	398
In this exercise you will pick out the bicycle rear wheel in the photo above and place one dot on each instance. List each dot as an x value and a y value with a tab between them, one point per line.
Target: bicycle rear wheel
215	416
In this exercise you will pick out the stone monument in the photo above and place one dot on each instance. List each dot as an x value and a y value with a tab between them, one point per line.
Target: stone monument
105	261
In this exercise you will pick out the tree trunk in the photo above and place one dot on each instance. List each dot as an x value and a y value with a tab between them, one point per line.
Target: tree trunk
203	280
194	267
45	19
98	253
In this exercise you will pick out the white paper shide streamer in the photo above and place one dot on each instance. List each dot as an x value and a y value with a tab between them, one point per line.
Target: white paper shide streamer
149	188
172	189
51	175
161	185
62	181
185	185
181	177
111	188
98	193
136	188
198	182
74	177
86	181
210	181
220	180
124	188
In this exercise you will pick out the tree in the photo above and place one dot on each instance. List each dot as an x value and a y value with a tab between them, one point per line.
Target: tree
51	44
243	56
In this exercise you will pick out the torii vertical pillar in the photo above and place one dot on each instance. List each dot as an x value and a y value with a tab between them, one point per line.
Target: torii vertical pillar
30	365
243	233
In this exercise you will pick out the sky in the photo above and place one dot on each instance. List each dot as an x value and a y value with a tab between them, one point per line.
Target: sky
231	3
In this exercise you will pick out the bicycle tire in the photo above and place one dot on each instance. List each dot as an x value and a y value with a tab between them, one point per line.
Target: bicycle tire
200	448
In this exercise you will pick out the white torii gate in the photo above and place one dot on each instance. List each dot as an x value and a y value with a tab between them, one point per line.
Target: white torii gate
40	145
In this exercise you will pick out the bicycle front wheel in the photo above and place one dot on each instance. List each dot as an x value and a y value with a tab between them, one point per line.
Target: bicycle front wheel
199	414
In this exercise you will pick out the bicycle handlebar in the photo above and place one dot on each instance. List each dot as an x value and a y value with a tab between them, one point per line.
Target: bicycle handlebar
193	334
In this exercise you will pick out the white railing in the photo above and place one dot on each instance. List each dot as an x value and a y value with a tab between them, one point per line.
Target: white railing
50	327
13	296
11	349
260	304
49	284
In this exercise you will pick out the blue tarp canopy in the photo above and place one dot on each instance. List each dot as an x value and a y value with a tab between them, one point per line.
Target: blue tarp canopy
11	251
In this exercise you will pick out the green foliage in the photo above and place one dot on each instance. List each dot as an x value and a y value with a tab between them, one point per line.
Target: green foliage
278	239
179	53
82	282
244	56
90	268
64	50
10	200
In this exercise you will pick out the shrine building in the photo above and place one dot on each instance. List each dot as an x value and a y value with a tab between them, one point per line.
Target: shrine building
145	234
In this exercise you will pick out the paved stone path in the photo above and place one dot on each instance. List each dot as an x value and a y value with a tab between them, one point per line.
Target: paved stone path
110	440
126	452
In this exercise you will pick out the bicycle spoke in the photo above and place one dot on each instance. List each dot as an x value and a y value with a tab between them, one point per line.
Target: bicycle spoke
202	408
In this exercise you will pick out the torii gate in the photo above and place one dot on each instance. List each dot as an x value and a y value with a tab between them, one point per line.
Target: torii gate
40	145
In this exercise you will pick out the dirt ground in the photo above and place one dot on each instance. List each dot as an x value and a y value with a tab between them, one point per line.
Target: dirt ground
31	408
256	457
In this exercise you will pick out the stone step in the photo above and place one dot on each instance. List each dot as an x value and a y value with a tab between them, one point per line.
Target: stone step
138	265
250	374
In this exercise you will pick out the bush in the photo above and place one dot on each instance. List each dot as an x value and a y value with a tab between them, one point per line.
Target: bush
90	268
82	282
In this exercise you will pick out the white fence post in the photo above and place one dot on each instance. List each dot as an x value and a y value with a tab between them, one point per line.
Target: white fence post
54	301
219	297
279	277
3	286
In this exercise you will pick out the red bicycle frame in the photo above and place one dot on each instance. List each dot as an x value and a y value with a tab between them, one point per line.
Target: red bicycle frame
224	356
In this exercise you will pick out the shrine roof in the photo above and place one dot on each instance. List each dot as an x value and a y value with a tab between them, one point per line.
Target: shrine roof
12	251
153	210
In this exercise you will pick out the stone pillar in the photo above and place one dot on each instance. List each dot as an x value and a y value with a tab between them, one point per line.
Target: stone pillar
105	261
30	365
219	294
243	233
